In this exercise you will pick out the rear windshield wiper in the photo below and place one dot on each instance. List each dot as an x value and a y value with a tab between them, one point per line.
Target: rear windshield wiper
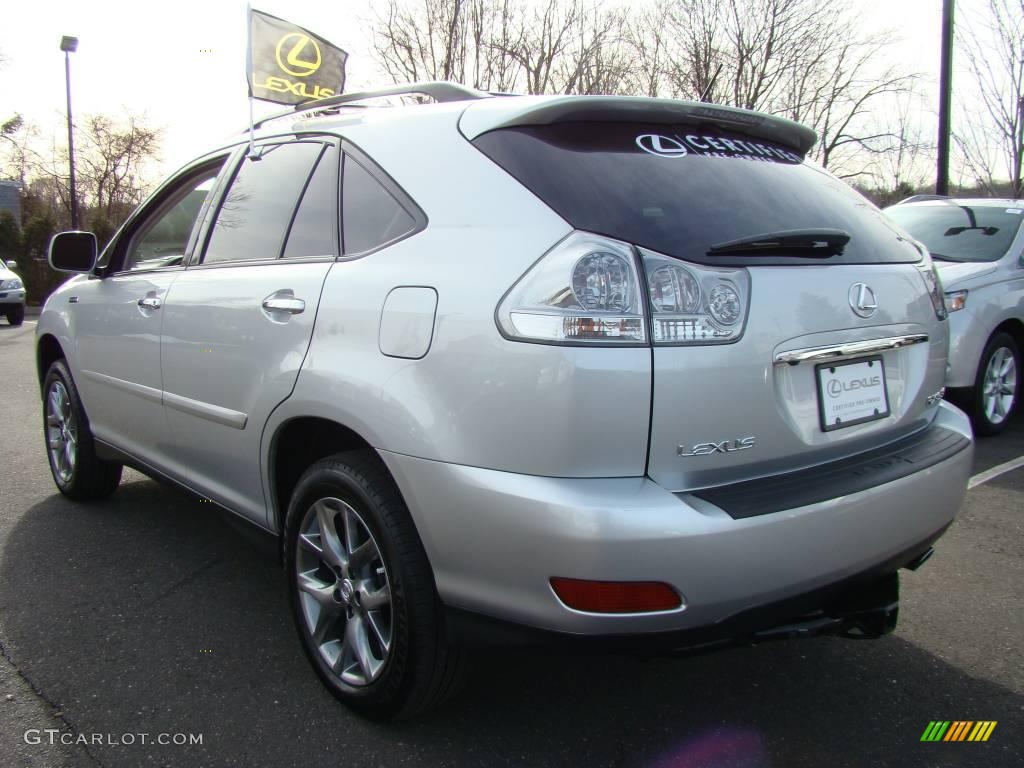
958	230
803	243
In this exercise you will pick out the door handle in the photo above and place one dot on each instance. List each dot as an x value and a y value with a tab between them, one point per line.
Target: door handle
150	302
291	306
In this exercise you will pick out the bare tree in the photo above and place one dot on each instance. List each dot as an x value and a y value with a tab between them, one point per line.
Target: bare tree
425	40
784	57
991	132
904	167
113	163
647	41
457	40
779	56
533	46
699	54
112	159
846	93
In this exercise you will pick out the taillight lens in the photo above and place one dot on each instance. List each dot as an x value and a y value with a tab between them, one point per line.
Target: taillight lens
587	290
693	304
584	291
930	275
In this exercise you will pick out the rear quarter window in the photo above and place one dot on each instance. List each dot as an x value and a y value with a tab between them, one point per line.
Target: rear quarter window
371	216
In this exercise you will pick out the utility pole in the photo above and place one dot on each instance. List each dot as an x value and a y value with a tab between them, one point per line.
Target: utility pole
945	99
69	45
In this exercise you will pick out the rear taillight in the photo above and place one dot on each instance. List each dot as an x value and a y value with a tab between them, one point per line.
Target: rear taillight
693	304
930	275
586	290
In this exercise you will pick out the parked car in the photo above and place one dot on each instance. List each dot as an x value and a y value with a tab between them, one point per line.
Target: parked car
606	370
978	245
12	293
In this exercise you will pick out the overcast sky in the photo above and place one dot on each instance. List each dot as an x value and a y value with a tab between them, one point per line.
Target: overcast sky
182	63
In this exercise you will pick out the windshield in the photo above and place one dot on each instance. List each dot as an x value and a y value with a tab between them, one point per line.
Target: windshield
956	232
682	190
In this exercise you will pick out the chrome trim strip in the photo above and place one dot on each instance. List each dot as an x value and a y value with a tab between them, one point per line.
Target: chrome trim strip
139	390
207	411
850	349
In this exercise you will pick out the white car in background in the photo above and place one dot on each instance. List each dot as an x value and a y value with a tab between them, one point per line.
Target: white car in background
978	246
12	293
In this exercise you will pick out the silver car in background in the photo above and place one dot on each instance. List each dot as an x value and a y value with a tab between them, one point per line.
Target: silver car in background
978	246
571	370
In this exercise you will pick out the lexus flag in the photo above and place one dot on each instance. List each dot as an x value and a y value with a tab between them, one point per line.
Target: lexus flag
289	64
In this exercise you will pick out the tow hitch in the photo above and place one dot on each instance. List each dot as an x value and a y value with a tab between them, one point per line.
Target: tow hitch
862	614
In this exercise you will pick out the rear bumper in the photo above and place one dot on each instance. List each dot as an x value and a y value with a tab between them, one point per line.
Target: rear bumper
495	539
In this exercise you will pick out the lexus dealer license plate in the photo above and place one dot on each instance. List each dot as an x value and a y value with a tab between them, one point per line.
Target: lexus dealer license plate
851	393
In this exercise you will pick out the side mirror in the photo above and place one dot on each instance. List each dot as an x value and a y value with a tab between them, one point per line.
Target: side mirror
73	252
12	265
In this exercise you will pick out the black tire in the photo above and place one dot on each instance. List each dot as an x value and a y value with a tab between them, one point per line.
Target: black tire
422	668
89	478
16	315
984	424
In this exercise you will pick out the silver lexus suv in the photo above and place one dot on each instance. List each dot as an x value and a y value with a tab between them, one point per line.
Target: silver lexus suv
590	370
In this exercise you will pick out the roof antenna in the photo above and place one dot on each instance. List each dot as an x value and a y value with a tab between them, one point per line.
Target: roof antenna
711	84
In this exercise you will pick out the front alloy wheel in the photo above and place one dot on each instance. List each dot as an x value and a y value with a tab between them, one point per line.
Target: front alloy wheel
344	591
995	393
61	432
77	471
1000	386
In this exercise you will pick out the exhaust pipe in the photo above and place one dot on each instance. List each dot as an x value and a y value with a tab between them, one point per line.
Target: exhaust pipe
920	560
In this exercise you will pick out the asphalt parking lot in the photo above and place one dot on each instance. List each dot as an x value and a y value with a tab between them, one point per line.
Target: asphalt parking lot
152	613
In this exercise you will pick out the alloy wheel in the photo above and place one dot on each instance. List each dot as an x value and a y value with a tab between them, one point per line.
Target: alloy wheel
1000	385
61	432
344	591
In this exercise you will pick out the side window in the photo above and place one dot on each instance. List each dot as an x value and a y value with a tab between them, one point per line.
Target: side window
258	207
371	216
314	228
162	239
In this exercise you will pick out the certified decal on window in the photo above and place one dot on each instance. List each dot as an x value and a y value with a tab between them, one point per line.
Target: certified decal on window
713	145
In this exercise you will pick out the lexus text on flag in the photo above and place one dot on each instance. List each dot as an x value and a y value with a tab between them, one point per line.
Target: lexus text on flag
289	64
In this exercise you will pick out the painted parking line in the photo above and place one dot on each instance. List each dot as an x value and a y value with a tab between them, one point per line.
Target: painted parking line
996	471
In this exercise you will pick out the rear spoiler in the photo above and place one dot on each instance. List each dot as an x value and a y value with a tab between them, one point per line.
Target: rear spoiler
508	112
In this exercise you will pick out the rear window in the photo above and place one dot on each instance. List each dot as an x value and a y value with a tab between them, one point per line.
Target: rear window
955	231
681	189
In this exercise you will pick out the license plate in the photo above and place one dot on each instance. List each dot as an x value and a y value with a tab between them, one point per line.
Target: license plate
851	393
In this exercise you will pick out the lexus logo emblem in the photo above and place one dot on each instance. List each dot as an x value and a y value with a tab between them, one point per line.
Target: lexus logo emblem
862	300
665	146
303	56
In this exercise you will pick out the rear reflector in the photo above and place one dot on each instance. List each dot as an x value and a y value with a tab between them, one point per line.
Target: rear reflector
616	596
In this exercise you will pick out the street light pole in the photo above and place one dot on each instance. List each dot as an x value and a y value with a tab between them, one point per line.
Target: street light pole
69	45
945	99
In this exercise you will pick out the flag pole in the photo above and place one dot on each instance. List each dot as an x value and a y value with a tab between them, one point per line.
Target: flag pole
249	72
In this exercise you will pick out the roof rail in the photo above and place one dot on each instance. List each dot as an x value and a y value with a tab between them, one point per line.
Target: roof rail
438	90
921	198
